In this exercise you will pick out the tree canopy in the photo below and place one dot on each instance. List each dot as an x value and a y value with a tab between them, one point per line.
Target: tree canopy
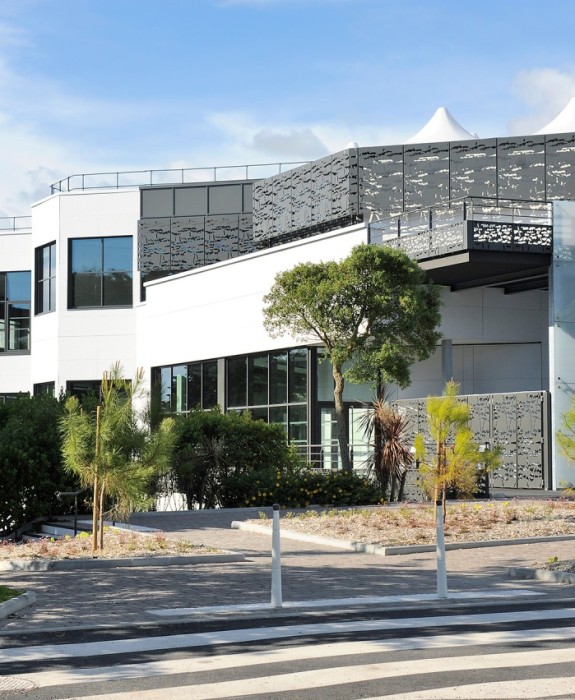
372	311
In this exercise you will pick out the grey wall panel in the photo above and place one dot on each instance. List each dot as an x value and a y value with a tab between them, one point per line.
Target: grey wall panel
157	201
381	180
426	168
190	201
225	199
248	193
310	196
473	168
246	243
154	244
221	238
560	166
521	168
187	242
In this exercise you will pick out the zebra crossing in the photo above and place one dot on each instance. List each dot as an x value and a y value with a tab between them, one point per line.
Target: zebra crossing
530	654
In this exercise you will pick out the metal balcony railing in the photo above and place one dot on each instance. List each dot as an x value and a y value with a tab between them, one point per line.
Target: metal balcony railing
467	223
15	223
455	211
170	176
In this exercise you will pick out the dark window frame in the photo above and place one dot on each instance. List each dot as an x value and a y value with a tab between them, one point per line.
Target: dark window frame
100	272
40	306
5	306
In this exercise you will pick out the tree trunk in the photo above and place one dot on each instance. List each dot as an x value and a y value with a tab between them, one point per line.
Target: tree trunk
95	518
340	418
95	508
101	515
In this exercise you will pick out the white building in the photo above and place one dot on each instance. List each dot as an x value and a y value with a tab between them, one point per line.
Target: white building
169	276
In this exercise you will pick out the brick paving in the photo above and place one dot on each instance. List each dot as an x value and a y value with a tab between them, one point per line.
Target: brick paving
118	597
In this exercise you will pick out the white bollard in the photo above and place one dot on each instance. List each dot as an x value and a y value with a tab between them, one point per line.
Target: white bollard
276	560
440	549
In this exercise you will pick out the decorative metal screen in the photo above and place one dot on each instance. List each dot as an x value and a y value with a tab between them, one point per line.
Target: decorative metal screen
310	196
185	242
517	422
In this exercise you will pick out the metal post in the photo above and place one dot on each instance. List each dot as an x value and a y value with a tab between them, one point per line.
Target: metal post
276	560
440	549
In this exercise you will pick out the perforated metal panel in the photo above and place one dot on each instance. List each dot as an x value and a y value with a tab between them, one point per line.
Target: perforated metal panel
517	422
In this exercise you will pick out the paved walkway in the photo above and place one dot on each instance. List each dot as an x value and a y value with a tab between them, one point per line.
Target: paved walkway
123	596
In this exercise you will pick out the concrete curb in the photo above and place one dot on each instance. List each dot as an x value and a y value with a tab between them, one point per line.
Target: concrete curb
85	564
13	605
525	574
391	551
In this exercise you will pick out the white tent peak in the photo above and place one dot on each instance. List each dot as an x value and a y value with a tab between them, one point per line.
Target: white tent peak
564	121
441	127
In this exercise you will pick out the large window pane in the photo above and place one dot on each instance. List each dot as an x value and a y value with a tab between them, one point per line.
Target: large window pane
237	382
194	386
15	294
210	385
166	389
2	327
179	388
117	288
259	414
297	375
278	377
258	380
298	424
279	414
18	327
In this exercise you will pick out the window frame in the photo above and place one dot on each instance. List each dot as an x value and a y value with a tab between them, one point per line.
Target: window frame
5	304
40	280
72	305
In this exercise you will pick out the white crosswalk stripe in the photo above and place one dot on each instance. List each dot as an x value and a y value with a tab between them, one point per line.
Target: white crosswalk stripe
263	678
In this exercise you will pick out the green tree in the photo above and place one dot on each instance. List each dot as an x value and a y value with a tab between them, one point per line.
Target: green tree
566	436
458	459
113	450
372	312
391	455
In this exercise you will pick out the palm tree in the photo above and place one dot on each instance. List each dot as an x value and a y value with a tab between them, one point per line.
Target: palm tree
391	457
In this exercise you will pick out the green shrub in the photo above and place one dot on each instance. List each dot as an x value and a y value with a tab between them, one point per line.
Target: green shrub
212	446
30	462
298	489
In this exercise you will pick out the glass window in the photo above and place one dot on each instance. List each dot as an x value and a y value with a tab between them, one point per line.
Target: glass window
237	381
100	272
260	413
166	389
209	384
194	386
46	279
15	295
298	424
187	387
297	375
278	377
279	414
179	388
45	389
258	380
84	388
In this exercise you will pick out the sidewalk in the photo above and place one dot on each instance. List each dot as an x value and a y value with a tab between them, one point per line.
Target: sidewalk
118	597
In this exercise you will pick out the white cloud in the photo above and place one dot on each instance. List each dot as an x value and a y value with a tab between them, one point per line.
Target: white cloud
546	91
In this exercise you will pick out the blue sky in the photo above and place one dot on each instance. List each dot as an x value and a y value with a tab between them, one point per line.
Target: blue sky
105	85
